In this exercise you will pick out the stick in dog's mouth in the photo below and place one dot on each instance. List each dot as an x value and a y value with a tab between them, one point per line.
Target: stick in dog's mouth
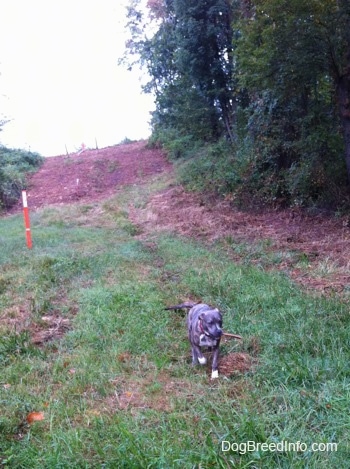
232	336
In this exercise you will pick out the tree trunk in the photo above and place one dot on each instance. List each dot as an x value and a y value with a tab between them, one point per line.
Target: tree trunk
343	94
346	132
343	82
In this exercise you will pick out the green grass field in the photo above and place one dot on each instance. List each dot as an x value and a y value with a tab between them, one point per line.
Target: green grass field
114	387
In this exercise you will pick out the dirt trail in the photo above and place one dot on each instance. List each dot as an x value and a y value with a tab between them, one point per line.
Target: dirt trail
321	243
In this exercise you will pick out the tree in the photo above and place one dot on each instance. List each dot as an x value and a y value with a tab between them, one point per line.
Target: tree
272	75
289	54
205	39
189	60
340	67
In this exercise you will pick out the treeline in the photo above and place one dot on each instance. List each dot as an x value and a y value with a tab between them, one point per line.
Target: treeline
257	92
14	168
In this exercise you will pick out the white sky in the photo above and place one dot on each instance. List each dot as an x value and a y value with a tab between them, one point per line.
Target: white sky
59	78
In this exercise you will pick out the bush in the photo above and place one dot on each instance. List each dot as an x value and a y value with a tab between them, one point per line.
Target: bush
249	175
14	167
176	145
213	170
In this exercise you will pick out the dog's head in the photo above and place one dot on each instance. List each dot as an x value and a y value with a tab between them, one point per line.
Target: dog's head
210	323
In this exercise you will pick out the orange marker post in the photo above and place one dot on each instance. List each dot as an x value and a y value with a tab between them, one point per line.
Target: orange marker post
26	220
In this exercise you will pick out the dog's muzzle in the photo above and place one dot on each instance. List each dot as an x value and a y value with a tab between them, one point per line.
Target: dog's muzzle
208	341
216	336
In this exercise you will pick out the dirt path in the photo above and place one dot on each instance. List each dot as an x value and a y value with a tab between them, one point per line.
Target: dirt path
318	247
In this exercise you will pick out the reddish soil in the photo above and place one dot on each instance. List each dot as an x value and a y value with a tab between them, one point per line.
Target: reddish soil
92	175
320	243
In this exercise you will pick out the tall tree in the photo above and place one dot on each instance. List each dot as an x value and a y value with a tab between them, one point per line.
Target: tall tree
189	60
205	39
294	57
340	67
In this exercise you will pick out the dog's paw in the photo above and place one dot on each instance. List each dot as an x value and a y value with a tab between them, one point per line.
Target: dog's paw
202	360
214	374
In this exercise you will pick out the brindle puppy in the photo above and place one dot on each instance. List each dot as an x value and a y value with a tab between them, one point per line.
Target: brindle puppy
204	325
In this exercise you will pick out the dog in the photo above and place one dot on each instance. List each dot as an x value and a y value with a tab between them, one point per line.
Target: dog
204	325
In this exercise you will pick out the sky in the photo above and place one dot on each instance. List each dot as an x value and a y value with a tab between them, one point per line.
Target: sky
60	82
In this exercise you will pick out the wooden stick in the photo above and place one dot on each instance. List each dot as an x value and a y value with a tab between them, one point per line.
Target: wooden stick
234	336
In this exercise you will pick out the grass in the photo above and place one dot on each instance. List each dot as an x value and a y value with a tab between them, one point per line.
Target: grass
117	389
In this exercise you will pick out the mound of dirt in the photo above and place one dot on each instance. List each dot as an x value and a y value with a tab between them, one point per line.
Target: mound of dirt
235	363
92	175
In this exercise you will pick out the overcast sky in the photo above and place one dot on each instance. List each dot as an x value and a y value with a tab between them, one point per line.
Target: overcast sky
60	83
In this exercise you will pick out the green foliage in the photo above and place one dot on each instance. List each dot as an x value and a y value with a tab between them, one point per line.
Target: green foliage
177	145
272	75
286	57
186	112
14	166
253	179
189	60
213	170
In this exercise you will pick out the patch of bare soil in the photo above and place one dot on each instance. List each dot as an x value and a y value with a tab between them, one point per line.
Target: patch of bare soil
53	327
92	175
149	392
235	363
161	391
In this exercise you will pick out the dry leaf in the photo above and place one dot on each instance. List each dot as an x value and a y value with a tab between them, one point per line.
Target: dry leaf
35	417
124	357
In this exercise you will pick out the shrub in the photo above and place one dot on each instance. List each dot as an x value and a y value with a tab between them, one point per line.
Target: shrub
212	170
176	145
248	173
14	167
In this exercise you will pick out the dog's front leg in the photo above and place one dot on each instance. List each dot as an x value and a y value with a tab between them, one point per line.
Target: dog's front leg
214	368
197	356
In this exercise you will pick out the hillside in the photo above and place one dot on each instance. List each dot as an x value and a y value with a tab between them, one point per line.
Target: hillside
96	370
313	250
92	175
